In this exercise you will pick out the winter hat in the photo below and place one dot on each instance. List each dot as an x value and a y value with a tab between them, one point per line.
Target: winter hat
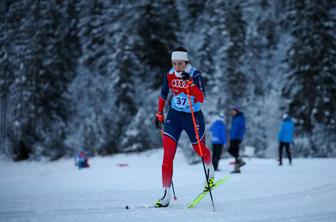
236	108
180	53
285	116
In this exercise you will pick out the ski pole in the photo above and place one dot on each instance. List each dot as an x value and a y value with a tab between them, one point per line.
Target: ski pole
175	198
199	146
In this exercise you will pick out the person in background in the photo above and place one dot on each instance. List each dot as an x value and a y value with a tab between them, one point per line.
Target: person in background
237	132
285	137
218	133
81	160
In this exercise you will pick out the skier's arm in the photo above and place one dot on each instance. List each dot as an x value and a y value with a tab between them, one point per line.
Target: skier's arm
164	94
240	127
197	89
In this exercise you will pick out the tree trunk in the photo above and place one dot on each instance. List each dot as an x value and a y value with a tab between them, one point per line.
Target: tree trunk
3	116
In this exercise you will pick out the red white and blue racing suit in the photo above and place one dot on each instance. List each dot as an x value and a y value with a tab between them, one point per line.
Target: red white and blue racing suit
179	118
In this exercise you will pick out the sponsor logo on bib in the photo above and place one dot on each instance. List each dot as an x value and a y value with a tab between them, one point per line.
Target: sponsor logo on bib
178	83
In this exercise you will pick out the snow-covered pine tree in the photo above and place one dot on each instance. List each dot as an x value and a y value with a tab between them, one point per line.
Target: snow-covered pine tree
311	86
120	53
155	35
103	89
235	78
211	53
258	62
7	69
41	71
158	36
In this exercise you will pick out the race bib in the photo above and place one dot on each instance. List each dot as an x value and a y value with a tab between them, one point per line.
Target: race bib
180	102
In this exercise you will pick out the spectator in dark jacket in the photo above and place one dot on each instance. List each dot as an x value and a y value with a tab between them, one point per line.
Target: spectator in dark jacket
285	137
237	132
218	133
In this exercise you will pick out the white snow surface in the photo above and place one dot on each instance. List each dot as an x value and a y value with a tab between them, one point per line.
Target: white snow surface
58	191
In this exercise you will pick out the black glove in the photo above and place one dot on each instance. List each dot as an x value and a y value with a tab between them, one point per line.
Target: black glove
185	76
159	118
158	124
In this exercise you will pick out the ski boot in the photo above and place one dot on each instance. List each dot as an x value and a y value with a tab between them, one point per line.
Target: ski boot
211	175
211	184
165	199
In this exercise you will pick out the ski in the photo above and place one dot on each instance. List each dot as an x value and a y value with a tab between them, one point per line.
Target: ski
204	193
127	207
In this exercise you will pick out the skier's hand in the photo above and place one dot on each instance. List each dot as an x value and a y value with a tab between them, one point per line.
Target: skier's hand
185	76
159	118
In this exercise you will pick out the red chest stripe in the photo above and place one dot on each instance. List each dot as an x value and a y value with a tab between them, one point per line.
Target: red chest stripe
177	85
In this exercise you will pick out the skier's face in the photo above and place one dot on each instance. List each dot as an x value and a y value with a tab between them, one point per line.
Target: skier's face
179	65
233	112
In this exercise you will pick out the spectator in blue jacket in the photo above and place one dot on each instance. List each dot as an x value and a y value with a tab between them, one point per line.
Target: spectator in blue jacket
81	160
218	133
285	137
237	132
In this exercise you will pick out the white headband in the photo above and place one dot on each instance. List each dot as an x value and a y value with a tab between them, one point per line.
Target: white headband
179	55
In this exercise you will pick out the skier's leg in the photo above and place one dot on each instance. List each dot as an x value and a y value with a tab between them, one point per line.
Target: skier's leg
169	150
172	133
201	149
204	150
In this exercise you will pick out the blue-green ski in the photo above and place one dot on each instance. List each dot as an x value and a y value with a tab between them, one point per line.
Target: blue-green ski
204	193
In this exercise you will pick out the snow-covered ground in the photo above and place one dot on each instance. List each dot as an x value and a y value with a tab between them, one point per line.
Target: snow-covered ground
57	191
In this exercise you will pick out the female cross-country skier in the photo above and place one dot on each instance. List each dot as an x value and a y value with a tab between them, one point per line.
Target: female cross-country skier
179	77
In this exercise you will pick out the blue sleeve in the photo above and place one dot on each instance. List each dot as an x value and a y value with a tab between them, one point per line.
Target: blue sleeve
244	126
292	132
224	133
233	129
281	132
241	128
198	80
165	88
212	127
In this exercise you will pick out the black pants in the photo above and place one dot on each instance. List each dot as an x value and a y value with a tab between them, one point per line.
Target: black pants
216	155
281	146
234	148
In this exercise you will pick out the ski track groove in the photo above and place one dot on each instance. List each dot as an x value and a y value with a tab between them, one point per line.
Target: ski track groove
287	196
318	217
